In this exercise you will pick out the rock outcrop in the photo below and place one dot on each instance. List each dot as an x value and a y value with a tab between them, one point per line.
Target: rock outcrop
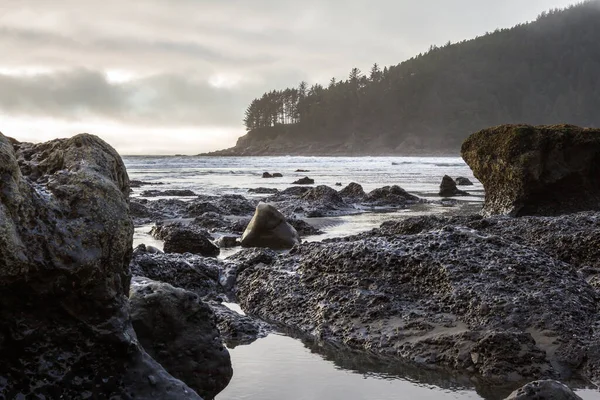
390	196
452	296
353	192
268	228
65	245
536	170
304	181
180	332
448	188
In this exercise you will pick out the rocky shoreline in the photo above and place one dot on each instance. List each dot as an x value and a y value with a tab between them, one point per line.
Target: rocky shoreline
505	298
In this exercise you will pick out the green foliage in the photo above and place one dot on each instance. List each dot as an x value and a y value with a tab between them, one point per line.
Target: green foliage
544	72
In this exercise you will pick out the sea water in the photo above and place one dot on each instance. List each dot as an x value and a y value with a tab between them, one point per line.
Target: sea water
283	366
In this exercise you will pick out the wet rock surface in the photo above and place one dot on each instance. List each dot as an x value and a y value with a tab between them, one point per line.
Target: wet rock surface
536	170
544	390
65	240
436	296
178	330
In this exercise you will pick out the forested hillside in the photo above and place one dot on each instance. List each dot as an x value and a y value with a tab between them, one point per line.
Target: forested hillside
543	72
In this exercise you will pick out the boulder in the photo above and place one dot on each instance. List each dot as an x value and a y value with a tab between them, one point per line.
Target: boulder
66	240
448	188
268	228
324	195
462	181
390	196
536	170
302	170
266	175
181	238
338	184
179	331
277	175
544	390
353	191
304	181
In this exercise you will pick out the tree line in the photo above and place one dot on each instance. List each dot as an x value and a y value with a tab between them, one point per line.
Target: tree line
545	72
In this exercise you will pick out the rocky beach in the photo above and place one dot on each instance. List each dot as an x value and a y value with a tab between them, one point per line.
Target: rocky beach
487	291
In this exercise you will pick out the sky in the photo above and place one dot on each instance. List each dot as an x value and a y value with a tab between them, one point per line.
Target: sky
175	76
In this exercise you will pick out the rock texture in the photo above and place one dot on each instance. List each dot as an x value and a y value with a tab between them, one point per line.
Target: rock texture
65	244
448	188
268	228
180	332
536	170
390	196
180	238
544	390
448	296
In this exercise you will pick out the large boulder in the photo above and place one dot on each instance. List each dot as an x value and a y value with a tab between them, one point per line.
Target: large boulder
544	390
179	331
353	191
268	228
390	196
448	188
65	244
536	170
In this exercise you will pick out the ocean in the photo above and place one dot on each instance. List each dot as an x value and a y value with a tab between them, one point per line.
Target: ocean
283	366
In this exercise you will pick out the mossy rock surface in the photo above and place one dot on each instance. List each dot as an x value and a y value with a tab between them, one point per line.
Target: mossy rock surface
536	170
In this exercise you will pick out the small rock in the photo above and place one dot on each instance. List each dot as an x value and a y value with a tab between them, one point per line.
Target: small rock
338	184
302	170
448	188
462	181
277	175
168	193
227	241
266	175
263	190
304	181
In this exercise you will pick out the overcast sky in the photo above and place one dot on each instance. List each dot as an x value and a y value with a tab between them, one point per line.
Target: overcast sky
175	76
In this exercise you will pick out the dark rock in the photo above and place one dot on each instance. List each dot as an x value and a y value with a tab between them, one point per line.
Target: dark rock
235	204
324	195
263	190
296	191
238	225
303	228
390	196
136	183
266	175
198	208
462	181
304	181
211	221
543	170
65	240
180	332
228	241
302	170
181	238
191	272
454	297
277	175
544	390
353	191
268	228
170	192
448	188
237	329
338	184
154	210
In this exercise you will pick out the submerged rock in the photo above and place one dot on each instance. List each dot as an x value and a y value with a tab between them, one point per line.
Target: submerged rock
456	297
543	170
66	240
304	181
179	331
448	188
544	390
268	228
